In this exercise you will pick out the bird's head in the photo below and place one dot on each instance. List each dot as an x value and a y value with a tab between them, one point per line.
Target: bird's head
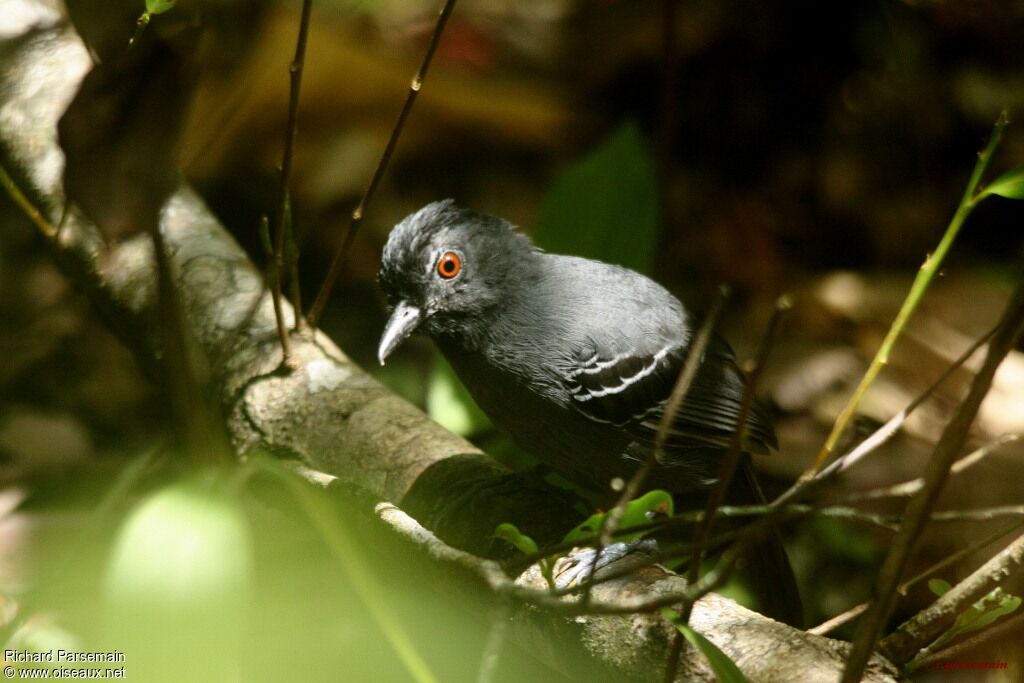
443	269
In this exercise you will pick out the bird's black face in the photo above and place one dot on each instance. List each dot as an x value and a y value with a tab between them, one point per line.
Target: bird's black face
442	270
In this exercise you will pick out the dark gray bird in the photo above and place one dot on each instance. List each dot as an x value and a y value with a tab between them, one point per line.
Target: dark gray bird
574	358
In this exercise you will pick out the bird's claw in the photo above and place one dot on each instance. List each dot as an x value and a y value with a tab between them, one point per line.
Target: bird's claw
578	566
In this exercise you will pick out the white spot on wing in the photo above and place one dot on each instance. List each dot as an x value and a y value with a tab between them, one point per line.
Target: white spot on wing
598	367
585	395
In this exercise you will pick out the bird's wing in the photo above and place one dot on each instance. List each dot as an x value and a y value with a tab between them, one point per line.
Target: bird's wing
630	390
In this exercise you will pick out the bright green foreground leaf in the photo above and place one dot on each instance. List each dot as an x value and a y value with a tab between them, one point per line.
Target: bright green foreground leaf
511	534
638	511
159	6
997	603
725	669
179	584
990	607
1009	185
605	206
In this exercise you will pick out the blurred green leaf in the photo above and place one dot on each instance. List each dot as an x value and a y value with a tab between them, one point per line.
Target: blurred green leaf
638	511
511	534
605	206
187	540
450	405
338	537
1009	185
180	581
938	586
43	634
725	669
159	6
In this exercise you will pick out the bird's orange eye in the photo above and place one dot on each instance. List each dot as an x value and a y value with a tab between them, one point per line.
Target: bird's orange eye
449	265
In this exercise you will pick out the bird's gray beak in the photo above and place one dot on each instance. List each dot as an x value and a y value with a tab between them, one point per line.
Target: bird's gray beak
403	322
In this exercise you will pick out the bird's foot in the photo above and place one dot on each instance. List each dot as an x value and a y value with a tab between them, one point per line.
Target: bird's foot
579	566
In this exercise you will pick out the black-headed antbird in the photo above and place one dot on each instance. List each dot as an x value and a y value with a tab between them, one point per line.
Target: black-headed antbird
575	359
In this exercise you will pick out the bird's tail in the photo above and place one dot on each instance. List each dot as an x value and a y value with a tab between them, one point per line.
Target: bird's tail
768	570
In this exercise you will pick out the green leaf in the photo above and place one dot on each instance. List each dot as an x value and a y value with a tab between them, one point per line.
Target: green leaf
321	512
1006	606
979	615
986	610
938	586
181	580
638	511
643	509
1009	185
511	534
967	618
605	206
588	527
725	669
159	6
186	541
450	405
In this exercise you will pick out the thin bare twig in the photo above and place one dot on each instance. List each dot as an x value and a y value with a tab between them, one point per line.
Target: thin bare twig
181	368
317	309
681	388
957	556
909	488
280	228
849	615
675	653
935	474
294	284
28	208
732	456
